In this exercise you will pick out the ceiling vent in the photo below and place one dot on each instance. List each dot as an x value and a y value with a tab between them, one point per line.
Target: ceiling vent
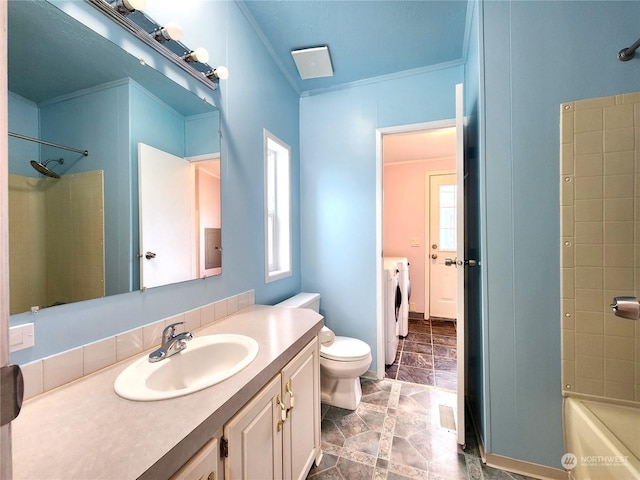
313	62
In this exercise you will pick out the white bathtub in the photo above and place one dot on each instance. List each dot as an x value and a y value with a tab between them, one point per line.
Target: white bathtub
605	439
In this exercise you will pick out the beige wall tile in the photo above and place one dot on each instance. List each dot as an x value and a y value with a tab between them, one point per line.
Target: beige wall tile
590	367
568	287
592	142
568	375
589	386
589	233
62	368
589	322
619	186
636	114
589	277
619	163
621	391
220	309
618	209
589	255
566	191
207	314
152	334
588	120
191	320
232	305
620	116
566	160
246	299
618	278
594	103
620	327
566	126
616	140
588	188
621	371
566	254
589	210
128	344
99	355
589	165
631	97
619	256
567	221
618	233
589	345
568	344
32	376
620	348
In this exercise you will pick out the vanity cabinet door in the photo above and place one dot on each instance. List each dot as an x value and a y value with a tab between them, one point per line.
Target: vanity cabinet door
204	465
254	437
301	394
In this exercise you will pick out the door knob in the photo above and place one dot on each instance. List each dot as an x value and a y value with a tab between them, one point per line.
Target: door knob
149	255
449	261
434	255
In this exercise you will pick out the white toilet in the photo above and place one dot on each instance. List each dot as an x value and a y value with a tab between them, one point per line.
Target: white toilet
341	361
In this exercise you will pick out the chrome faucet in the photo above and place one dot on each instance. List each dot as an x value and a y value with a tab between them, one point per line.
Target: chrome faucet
171	343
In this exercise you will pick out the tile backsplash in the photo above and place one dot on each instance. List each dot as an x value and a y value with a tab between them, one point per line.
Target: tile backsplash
600	244
65	367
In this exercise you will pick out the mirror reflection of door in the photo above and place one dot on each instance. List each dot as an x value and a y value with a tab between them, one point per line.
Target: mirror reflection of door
167	233
208	215
442	242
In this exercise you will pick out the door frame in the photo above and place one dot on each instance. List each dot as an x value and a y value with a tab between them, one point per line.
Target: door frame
427	233
380	132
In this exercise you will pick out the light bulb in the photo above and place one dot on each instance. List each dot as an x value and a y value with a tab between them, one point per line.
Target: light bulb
198	55
171	31
133	5
221	72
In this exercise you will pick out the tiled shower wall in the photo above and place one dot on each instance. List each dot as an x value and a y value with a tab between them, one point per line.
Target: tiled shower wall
600	257
56	239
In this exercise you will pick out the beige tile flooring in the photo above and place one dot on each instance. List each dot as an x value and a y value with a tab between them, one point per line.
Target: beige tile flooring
396	434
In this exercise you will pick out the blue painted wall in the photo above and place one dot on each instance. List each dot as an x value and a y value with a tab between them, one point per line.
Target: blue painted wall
338	187
261	98
23	119
536	55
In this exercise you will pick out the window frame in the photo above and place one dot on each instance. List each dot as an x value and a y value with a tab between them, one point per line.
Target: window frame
281	229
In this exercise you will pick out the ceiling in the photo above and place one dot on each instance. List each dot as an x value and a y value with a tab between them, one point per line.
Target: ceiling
366	39
420	145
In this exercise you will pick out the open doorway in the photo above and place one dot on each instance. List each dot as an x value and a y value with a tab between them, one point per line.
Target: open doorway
419	224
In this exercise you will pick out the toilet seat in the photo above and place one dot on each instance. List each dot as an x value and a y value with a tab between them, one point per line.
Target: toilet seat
346	349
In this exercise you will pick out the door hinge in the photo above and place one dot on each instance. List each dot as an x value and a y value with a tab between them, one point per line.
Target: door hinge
224	448
12	393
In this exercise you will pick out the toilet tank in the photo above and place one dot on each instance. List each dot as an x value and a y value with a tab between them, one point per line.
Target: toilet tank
302	300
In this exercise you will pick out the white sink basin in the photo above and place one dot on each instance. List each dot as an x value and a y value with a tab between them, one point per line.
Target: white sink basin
207	360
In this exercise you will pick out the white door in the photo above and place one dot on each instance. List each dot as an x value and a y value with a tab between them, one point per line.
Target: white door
460	263
167	209
442	293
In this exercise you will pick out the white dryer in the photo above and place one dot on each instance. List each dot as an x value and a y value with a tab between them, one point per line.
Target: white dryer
391	293
402	265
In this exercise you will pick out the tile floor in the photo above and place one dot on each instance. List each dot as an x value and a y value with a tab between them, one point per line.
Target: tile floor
396	434
428	354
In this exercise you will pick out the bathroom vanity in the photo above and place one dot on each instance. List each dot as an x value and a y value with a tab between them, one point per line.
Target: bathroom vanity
84	430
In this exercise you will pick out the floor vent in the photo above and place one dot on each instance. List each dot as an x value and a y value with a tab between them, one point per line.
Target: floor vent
447	417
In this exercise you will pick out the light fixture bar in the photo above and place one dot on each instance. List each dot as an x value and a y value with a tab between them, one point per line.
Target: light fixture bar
150	41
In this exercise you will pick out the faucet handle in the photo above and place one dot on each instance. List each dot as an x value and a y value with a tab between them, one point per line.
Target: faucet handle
169	331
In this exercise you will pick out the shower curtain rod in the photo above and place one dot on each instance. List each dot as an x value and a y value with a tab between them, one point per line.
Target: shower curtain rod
50	144
627	54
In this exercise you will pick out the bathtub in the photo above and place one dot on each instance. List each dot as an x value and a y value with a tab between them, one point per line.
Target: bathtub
602	440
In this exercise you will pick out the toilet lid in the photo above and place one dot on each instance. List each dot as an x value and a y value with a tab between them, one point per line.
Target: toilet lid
346	349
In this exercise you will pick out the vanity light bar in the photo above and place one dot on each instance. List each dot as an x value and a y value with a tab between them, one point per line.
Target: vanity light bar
147	30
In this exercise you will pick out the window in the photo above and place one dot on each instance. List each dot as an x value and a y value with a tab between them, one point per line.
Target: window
277	208
448	217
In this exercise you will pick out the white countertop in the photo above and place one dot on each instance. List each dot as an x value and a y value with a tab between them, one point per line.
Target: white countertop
83	430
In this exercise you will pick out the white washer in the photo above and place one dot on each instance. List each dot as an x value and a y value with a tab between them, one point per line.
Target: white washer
402	265
391	316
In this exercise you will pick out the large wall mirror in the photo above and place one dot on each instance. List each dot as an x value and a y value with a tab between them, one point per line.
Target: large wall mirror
74	230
